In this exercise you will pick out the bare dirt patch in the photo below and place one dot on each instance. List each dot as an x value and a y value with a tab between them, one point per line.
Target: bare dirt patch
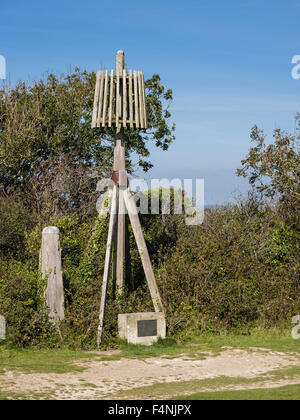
102	379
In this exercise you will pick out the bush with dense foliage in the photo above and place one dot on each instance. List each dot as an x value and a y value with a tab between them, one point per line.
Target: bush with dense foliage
238	270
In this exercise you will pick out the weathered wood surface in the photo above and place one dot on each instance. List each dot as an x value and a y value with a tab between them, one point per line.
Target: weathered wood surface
144	100
119	99
96	99
119	166
98	111
130	98
120	62
52	271
111	94
136	100
108	254
143	251
125	98
105	99
141	103
114	256
2	328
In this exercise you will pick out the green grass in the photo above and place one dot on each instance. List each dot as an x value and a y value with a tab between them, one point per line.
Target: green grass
199	347
195	347
166	390
288	392
24	396
44	361
62	360
168	348
282	342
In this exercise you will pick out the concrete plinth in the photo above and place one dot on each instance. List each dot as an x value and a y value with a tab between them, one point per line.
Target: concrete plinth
142	328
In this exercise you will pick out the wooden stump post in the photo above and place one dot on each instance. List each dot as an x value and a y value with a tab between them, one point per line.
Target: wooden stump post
52	270
2	328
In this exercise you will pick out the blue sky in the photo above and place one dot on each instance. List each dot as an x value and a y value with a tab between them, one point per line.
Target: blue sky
228	63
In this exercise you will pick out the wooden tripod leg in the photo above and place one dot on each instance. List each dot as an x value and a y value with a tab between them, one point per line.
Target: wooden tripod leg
114	255
111	228
142	247
120	243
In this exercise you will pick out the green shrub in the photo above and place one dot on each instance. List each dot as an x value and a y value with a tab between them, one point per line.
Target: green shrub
234	271
237	270
22	304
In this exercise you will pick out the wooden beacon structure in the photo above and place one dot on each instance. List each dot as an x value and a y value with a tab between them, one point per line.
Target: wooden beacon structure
119	99
120	102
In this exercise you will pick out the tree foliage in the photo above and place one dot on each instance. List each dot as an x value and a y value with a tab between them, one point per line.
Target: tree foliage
274	169
48	152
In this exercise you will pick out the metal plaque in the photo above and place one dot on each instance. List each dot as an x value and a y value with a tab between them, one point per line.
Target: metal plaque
147	328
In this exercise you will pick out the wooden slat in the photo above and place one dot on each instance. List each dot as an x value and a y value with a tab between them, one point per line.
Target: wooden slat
105	99
117	100
136	101
100	98
124	99
96	100
140	101
130	99
144	101
111	94
120	99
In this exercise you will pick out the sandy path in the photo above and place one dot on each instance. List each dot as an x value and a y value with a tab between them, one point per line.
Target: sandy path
100	379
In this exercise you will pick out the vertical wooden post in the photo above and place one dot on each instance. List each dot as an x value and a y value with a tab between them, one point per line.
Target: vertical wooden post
120	66
2	328
52	270
119	165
